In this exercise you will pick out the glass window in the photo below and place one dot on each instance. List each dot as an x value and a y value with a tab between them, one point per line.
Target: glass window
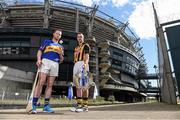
1	43
117	53
1	50
6	51
25	44
14	45
116	64
15	50
7	43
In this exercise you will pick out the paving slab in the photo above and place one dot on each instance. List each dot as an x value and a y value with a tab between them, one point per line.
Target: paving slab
134	111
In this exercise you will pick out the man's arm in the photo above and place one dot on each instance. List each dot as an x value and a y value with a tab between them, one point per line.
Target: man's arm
86	59
39	61
61	58
87	51
40	51
61	55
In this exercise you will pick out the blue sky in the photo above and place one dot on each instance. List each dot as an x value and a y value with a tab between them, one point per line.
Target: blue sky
149	45
139	14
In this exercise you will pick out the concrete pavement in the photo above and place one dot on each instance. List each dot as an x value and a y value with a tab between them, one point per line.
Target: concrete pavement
137	111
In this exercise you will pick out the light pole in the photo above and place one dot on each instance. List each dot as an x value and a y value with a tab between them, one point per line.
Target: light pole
158	82
155	67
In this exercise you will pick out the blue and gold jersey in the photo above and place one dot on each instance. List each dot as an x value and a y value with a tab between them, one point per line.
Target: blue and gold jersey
50	50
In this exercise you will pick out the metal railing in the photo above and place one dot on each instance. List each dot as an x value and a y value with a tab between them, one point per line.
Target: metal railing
127	32
86	9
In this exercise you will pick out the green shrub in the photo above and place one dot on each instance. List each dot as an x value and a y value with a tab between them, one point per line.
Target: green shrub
111	98
99	98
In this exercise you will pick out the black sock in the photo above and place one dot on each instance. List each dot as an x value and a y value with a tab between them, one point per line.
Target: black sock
85	102
46	101
79	101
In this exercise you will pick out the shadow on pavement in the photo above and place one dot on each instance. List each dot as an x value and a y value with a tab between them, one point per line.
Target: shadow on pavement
140	107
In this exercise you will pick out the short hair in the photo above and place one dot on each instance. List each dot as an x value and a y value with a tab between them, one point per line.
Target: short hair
81	34
56	30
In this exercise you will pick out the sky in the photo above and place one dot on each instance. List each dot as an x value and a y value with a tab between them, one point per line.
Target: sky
139	15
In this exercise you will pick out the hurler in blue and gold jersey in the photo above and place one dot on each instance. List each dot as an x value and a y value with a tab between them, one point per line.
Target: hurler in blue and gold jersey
51	50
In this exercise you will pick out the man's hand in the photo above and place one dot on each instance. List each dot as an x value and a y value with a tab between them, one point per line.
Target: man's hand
61	58
85	65
38	63
60	52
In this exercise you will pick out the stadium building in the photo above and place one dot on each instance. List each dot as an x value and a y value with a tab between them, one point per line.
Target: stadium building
116	58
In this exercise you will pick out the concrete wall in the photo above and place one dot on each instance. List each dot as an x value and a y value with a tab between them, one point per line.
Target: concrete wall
14	82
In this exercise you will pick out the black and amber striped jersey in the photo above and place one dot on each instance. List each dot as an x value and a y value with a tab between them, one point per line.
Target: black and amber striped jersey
80	51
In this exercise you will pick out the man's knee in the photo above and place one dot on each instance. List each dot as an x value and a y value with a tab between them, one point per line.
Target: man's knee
41	83
85	93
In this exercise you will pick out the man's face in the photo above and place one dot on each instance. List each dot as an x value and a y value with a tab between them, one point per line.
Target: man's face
80	38
57	35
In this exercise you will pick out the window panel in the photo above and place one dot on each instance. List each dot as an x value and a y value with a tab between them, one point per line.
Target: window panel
14	45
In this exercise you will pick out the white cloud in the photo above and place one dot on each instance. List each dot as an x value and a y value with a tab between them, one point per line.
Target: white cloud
168	10
116	3
104	3
142	18
119	3
86	2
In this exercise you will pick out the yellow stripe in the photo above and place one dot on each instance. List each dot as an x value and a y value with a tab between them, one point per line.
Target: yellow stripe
53	49
85	102
81	53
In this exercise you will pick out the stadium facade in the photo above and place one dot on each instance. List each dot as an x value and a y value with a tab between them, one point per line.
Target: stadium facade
116	58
